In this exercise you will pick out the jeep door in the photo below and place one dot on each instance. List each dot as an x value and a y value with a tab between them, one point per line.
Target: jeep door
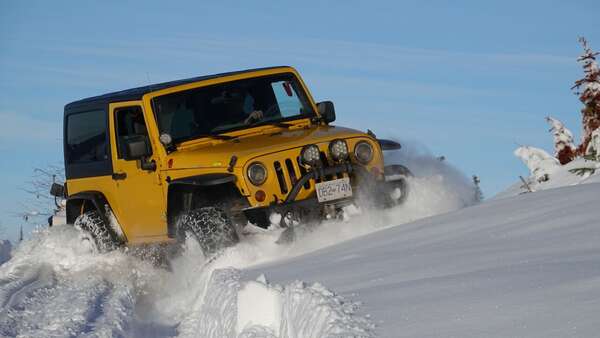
141	206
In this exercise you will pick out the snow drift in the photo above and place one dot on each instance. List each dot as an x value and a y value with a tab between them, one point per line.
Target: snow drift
234	308
524	266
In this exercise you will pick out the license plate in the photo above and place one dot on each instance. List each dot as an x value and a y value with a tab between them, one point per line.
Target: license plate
333	190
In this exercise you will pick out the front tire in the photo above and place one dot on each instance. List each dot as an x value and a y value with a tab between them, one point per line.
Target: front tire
210	227
95	233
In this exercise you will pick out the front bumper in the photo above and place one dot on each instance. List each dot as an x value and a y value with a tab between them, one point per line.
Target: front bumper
311	207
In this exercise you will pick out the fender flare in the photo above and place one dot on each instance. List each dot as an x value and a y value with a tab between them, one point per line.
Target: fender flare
76	203
217	185
397	169
388	144
206	180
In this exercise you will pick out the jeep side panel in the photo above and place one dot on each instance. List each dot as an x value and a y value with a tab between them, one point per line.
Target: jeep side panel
140	207
88	164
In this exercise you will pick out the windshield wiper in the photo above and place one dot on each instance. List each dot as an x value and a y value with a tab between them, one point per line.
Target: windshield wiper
216	136
273	123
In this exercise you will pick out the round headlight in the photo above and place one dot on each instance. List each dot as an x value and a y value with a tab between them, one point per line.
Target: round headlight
338	149
257	173
310	154
363	151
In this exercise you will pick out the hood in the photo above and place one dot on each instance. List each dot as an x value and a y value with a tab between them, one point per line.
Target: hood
217	153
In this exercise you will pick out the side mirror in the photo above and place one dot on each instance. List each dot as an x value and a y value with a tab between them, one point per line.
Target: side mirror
327	111
57	190
137	147
389	144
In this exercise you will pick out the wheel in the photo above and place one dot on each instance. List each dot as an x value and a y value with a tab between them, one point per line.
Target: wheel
397	187
95	233
397	192
210	226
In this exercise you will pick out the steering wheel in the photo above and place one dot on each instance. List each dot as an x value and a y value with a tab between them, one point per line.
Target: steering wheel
271	110
274	108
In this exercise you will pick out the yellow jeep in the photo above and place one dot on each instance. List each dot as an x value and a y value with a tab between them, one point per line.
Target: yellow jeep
206	155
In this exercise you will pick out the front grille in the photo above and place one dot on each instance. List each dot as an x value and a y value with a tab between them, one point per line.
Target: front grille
288	172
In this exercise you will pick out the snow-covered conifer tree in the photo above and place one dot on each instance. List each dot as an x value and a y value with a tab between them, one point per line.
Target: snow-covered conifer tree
588	89
593	149
564	149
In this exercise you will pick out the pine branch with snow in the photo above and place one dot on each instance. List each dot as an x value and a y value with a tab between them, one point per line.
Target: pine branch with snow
564	148
540	163
588	89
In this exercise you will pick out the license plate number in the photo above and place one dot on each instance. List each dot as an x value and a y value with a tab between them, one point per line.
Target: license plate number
333	190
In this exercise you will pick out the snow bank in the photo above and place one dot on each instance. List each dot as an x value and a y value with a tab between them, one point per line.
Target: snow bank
526	266
258	304
234	308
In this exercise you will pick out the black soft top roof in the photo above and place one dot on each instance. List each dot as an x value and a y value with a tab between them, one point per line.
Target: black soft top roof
137	93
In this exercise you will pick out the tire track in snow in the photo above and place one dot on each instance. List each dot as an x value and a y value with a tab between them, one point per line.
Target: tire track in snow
112	313
21	288
38	302
23	282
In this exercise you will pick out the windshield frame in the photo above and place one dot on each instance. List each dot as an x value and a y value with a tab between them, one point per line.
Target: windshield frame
301	91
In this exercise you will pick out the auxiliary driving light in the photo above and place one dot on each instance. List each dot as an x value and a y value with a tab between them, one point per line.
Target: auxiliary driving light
310	155
257	173
363	151
338	149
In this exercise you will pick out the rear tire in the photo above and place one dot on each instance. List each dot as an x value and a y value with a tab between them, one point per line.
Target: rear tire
210	227
397	192
95	232
397	188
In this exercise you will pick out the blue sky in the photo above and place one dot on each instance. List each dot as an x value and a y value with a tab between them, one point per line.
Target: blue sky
468	79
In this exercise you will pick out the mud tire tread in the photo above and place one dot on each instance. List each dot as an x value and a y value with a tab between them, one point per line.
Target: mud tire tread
210	226
90	223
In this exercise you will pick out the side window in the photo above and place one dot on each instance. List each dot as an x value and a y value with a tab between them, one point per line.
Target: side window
287	100
86	137
130	124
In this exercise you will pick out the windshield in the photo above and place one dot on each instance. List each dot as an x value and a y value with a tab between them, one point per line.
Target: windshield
230	106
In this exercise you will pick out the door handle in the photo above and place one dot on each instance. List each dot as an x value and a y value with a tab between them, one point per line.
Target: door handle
119	176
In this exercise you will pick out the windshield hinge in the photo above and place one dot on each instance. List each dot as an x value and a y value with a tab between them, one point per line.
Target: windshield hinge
232	163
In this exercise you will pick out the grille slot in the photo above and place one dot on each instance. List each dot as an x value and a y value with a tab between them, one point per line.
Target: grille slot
326	164
302	172
280	177
291	171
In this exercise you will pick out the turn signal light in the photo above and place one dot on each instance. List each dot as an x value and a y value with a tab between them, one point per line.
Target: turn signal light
260	196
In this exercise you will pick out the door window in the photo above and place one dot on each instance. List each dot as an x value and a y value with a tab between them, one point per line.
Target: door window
130	124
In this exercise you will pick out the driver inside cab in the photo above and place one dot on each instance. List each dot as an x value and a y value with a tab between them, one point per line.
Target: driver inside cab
239	106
